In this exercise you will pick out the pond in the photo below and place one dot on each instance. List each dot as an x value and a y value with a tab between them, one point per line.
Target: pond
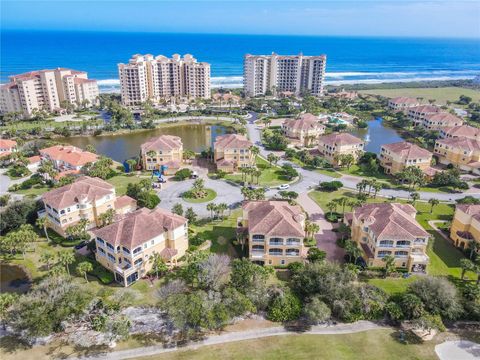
13	278
196	137
376	135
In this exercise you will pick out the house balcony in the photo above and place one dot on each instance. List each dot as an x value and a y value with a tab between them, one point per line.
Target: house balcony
255	254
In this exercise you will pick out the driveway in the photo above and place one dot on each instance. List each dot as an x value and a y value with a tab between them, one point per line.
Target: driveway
459	350
326	237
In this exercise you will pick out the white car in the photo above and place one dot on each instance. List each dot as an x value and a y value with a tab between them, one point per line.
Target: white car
283	187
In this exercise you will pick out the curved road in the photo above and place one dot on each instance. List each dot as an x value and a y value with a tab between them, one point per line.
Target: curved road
310	179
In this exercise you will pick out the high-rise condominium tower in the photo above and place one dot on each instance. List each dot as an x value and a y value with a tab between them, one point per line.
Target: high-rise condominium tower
146	77
278	73
46	90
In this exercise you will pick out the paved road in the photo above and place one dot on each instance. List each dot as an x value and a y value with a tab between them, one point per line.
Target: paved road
459	350
6	182
226	193
310	179
359	326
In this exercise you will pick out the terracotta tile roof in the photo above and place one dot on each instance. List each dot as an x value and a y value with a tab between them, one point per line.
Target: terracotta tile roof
404	100
424	109
84	189
162	143
124	201
69	154
390	221
232	141
274	218
444	118
34	159
304	122
469	209
462	131
7	144
5	153
168	253
339	139
140	226
461	143
62	174
224	162
407	151
429	171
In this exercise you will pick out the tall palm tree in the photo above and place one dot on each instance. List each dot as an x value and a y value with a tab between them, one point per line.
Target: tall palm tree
83	268
352	250
255	151
331	206
66	258
211	207
158	264
466	265
47	258
433	202
43	223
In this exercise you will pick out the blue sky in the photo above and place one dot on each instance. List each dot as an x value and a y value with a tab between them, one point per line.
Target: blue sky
363	18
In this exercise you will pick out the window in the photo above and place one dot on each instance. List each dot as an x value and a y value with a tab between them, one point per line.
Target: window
386	243
111	257
110	246
384	253
125	250
138	261
282	262
401	253
99	240
403	243
275	252
101	251
137	250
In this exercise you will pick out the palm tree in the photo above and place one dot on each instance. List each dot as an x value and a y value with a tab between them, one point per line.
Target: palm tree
331	206
433	202
352	250
255	151
43	222
313	229
158	264
272	158
343	201
376	188
47	258
466	265
211	207
257	173
221	209
389	261
66	258
473	246
414	196
83	268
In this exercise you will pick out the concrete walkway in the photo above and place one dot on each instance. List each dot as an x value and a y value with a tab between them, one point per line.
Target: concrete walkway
326	237
236	336
458	350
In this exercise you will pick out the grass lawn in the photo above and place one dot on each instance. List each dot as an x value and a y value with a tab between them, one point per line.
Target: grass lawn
121	181
220	233
34	191
392	286
440	94
324	197
271	175
329	172
210	195
374	344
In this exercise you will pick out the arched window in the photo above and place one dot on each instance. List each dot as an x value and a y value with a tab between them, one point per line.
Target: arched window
386	243
275	252
384	253
401	253
403	243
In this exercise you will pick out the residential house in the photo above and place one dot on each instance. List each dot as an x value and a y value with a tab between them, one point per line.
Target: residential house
7	147
461	131
382	229
232	151
459	151
465	225
417	114
67	157
440	120
226	99
397	156
275	232
86	198
162	153
306	129
334	145
127	247
402	103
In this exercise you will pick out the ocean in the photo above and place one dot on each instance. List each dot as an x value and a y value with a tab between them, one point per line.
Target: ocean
349	59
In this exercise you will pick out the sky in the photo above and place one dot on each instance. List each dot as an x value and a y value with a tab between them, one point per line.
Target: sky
402	18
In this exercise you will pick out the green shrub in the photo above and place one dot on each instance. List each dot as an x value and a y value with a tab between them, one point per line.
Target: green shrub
284	307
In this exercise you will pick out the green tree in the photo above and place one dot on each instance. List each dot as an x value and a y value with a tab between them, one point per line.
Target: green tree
66	258
158	264
47	258
43	223
284	307
7	299
315	255
177	209
389	261
83	268
352	250
272	158
106	218
414	196
316	311
466	265
191	215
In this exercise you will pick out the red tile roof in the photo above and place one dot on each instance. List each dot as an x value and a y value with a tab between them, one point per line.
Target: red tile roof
407	151
444	118
424	109
462	131
34	159
340	139
84	189
140	226
232	141
305	122
69	154
7	144
274	218
162	143
390	221
124	201
461	143
404	100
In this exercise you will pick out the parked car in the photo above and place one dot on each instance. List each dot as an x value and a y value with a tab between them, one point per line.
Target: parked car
81	244
194	175
161	179
283	187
